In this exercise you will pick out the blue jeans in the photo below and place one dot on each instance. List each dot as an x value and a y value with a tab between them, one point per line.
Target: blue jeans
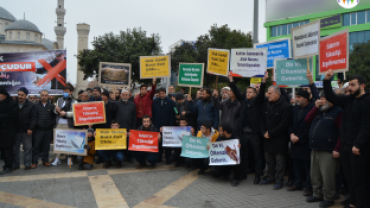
107	154
142	157
298	167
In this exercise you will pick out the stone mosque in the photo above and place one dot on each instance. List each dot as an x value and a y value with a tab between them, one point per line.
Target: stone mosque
22	35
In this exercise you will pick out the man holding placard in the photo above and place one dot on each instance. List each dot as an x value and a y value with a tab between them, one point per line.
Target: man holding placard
354	135
106	155
150	157
226	156
249	130
164	115
144	102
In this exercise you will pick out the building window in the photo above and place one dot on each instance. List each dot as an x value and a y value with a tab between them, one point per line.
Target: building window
35	37
10	35
27	36
356	18
19	35
281	30
59	24
358	37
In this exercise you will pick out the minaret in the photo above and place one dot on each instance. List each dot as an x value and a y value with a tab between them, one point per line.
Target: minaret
83	31
60	30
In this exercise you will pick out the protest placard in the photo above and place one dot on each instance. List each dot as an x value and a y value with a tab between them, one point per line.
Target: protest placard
248	62
155	66
194	147
306	39
172	135
71	142
334	52
110	139
144	141
292	72
254	81
114	74
88	113
218	61
224	152
276	49
34	70
190	75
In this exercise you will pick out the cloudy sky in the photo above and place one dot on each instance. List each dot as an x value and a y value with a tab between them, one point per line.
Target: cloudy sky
171	19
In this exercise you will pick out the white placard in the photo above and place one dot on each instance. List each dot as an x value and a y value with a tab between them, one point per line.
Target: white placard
306	39
248	62
224	152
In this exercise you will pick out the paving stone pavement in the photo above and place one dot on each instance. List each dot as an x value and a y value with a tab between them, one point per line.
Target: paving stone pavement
68	188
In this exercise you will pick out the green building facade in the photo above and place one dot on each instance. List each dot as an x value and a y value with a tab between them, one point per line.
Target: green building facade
357	20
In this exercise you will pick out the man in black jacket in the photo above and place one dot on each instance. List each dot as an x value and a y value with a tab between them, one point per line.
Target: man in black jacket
311	89
41	138
25	126
151	157
230	108
248	126
126	117
8	117
300	150
183	110
163	115
275	121
227	134
354	135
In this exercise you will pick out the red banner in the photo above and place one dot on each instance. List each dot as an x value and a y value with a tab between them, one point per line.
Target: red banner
18	66
89	113
144	141
334	53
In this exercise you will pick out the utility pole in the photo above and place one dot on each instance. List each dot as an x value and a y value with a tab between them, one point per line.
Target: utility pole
255	22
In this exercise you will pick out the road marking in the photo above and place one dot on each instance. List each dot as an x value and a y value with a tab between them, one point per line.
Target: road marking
27	202
167	193
106	193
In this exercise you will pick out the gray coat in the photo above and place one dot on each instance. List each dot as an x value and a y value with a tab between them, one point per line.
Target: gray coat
126	114
69	113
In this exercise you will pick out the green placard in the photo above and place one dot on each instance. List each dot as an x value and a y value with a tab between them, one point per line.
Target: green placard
194	147
292	73
191	75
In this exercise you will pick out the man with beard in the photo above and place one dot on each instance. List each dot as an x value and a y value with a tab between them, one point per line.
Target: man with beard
96	94
248	130
126	116
205	109
300	151
8	116
144	102
354	135
117	94
325	121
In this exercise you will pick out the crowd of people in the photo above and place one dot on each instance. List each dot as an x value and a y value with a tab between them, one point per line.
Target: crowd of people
320	140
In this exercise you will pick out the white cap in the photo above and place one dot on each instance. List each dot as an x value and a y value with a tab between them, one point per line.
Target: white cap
345	85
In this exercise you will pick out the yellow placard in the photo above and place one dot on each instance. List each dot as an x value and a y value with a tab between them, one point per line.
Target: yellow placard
218	61
155	66
110	139
255	80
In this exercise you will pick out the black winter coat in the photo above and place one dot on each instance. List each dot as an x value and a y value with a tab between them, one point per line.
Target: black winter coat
45	116
355	127
230	111
126	114
163	115
301	149
276	118
8	118
27	117
253	109
190	117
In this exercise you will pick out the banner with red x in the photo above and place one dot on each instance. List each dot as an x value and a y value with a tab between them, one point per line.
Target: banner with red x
53	72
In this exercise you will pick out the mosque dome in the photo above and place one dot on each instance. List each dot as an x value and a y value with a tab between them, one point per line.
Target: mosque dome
23	24
4	14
